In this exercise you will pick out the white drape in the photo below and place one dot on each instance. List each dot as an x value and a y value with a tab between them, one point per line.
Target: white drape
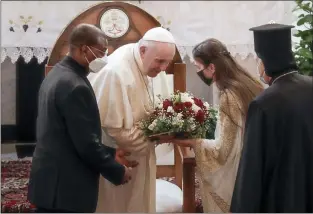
226	20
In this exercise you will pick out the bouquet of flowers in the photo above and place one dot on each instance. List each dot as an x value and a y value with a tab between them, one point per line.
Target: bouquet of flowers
180	116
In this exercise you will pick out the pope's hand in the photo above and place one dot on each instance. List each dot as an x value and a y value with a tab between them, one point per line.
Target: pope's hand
120	156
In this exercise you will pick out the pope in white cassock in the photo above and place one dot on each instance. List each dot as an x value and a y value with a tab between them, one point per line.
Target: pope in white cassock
126	90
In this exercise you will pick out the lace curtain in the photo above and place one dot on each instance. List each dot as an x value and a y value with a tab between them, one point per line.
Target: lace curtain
30	28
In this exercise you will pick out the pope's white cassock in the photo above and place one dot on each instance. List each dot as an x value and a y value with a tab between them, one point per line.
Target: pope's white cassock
121	89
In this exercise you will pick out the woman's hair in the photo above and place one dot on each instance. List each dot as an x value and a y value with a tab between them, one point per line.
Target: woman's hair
229	75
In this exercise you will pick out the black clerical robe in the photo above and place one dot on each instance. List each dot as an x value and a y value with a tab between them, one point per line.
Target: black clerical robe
69	155
276	167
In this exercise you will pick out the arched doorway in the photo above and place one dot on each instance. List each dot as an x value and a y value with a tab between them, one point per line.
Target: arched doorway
139	22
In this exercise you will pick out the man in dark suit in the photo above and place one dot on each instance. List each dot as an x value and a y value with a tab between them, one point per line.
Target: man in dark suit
275	173
69	155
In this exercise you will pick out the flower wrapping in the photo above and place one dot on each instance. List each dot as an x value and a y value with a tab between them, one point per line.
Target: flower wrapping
182	116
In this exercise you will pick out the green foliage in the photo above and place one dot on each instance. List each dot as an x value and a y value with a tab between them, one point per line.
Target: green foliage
304	50
211	123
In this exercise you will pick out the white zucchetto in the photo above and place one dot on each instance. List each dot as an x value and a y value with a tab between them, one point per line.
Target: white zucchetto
159	34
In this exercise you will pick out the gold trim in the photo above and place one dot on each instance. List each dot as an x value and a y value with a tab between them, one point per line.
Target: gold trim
220	202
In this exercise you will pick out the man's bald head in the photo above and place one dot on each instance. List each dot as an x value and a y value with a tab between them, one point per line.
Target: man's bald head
87	42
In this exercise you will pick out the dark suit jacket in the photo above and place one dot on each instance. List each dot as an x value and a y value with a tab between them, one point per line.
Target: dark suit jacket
275	173
69	154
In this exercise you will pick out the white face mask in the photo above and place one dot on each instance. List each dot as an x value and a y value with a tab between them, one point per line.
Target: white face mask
96	65
99	63
263	72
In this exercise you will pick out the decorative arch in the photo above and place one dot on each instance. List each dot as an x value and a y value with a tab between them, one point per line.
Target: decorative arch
140	23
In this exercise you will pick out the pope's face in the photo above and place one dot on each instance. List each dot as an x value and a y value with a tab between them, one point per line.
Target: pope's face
156	58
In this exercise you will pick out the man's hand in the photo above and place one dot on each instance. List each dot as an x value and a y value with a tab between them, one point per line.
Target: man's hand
120	157
127	175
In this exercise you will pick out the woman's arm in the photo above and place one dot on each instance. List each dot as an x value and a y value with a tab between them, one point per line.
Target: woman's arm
214	153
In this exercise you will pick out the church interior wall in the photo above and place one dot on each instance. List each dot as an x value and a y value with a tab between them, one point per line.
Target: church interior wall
8	93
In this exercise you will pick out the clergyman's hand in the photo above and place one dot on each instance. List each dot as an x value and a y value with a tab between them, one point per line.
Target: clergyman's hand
120	156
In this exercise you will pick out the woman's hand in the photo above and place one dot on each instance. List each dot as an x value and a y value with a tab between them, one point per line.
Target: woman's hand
185	142
181	142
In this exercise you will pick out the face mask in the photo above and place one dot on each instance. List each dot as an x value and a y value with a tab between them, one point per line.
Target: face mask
206	80
261	77
263	80
96	65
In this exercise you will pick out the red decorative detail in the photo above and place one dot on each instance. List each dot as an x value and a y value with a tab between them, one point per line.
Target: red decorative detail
167	103
14	184
115	29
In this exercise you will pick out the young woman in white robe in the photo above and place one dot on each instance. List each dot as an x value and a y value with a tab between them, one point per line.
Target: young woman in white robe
217	159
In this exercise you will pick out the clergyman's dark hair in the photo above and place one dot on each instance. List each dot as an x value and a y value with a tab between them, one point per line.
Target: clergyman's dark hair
86	34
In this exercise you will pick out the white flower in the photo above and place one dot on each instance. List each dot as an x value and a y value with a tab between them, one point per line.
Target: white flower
152	125
195	108
179	115
192	127
158	102
178	121
170	109
185	97
159	105
207	105
192	124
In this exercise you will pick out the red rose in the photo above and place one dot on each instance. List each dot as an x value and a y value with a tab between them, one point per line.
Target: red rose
187	104
198	102
167	103
200	116
178	107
